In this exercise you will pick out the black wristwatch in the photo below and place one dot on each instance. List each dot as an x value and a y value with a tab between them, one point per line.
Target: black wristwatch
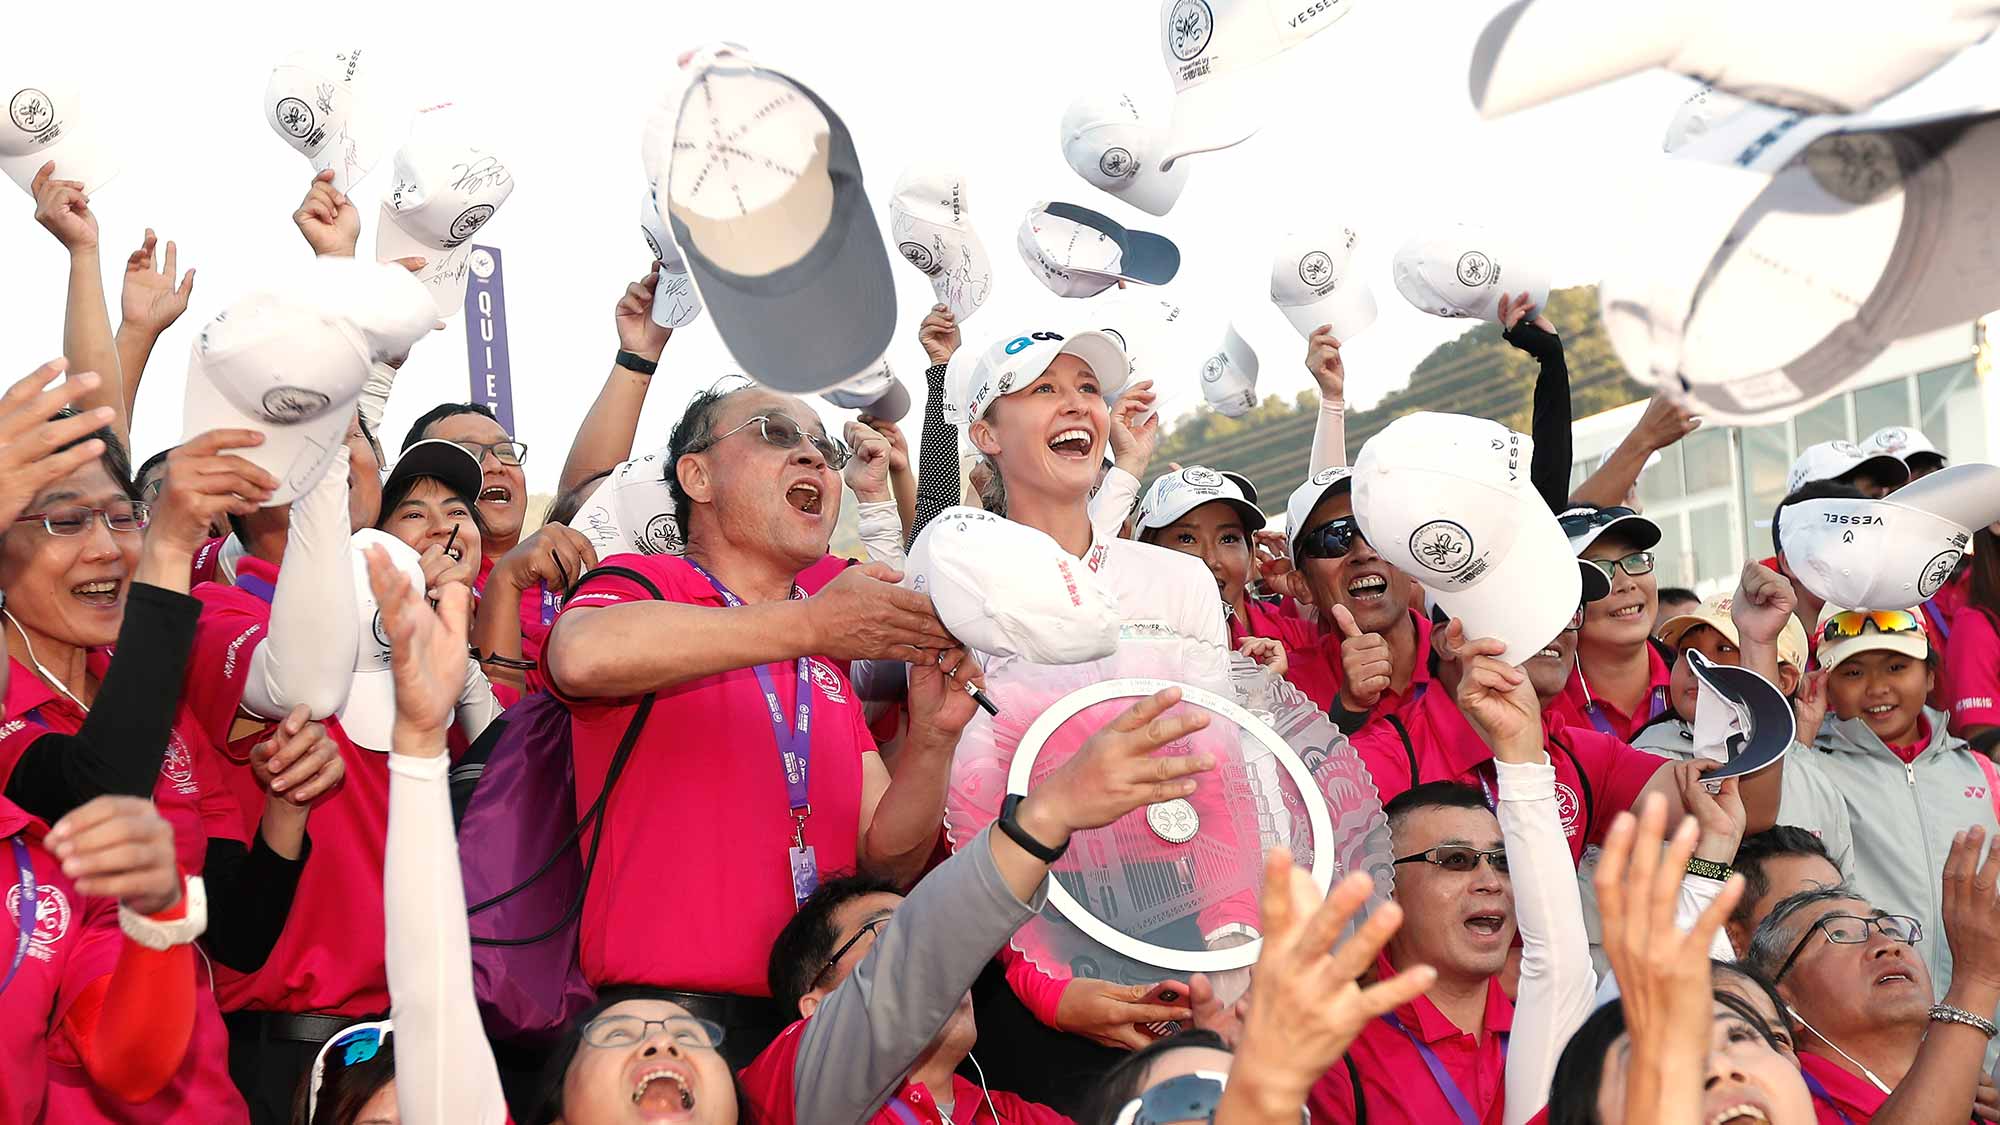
1020	835
639	363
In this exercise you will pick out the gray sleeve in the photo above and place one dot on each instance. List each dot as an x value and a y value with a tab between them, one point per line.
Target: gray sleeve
870	1030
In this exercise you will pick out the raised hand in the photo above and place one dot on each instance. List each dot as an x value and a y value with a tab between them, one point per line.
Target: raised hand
1513	310
637	331
1719	814
939	704
30	435
1117	771
1323	363
864	615
899	446
1367	664
118	847
150	301
204	485
939	334
1268	653
1809	707
1764	602
555	555
298	762
1132	441
867	472
328	219
63	209
1495	697
426	654
1972	914
1664	423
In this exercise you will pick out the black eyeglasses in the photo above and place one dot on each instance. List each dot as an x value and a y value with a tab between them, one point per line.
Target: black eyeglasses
868	927
1459	858
627	1031
130	515
783	433
1634	564
1576	522
505	452
1852	929
1330	540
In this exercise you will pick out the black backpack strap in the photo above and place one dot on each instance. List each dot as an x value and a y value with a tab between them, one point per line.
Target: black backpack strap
1582	779
1409	748
596	811
1354	1082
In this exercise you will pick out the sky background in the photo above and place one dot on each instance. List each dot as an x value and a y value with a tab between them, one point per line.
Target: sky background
1369	127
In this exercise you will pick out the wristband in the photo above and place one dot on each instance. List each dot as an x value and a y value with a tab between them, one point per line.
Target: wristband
1945	1013
1709	869
639	363
161	934
500	661
1020	835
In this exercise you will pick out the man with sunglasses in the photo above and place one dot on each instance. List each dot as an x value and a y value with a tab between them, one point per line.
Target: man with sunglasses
753	771
1872	1042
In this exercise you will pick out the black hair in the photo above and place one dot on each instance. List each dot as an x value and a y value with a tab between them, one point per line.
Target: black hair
1579	1073
1811	490
1768	948
1433	795
692	434
1757	982
802	947
1757	849
548	1107
438	414
1678	594
151	463
391	500
117	463
1124	1081
345	1088
565	507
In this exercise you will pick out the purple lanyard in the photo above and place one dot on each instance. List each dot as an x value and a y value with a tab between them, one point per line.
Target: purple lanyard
902	1112
257	586
1459	1103
794	740
25	913
1818	1090
1656	708
1937	619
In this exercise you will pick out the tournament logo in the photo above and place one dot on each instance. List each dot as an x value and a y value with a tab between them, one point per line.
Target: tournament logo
1441	545
662	536
1937	572
31	111
468	224
1892	439
295	117
1117	163
827	680
1211	372
288	406
1190	25
1316	268
1567	807
1474	269
1174	821
1328	476
1201	476
51	916
653	244
918	255
481	263
381	631
177	765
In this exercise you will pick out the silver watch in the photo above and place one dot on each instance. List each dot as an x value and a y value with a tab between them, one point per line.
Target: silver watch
156	934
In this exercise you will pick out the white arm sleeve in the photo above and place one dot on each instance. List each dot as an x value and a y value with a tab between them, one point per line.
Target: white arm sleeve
1113	502
476	705
445	1073
308	654
881	530
375	395
1557	982
1330	435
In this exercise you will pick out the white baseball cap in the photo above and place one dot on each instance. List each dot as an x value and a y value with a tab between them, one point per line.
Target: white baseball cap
1819	57
47	120
1005	589
1446	498
1799	250
1313	282
1215	51
631	511
975	378
445	191
1463	270
875	392
1698	114
1902	443
1299	506
1149	326
292	369
1229	377
1870	554
369	715
1112	145
1914	643
930	220
1078	252
1175	494
322	104
676	304
1832	460
1586	524
763	193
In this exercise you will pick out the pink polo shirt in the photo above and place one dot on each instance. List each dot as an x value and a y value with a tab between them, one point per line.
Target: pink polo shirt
1578	702
1317	672
700	815
768	1082
1395	1076
1972	672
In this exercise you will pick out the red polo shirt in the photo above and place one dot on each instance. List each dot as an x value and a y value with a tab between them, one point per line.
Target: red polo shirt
1971	683
1396	1078
702	805
1579	703
1267	620
1836	1092
1595	775
329	957
1316	671
768	1082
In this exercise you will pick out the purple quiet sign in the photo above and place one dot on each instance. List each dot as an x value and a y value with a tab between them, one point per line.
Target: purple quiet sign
486	334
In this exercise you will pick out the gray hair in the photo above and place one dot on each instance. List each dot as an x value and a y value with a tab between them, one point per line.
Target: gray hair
1770	945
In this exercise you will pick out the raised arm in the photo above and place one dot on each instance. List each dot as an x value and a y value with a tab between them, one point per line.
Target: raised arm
1549	422
1663	424
1323	363
63	209
148	304
1762	606
608	430
938	479
554	557
307	656
867	476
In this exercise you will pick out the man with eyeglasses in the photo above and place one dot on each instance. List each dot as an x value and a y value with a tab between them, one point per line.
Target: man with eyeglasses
753	771
1872	1043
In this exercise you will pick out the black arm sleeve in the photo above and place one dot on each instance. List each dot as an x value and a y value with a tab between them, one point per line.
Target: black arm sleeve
1550	427
250	892
938	485
123	738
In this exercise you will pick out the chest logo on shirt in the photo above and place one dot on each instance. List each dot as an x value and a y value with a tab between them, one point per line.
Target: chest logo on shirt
1976	792
177	765
1567	807
827	680
51	918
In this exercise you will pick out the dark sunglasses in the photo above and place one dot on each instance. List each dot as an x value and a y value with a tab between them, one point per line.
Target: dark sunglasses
1459	858
1330	540
1576	523
783	433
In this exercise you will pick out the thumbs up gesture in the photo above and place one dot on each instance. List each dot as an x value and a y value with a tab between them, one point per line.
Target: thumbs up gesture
1366	664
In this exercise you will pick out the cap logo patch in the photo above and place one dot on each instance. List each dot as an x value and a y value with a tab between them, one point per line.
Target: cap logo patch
291	405
1441	545
1201	476
1020	344
1190	25
662	537
1892	439
1316	268
1474	269
653	244
380	630
1937	572
1117	163
919	255
1328	476
296	117
31	111
469	222
1211	371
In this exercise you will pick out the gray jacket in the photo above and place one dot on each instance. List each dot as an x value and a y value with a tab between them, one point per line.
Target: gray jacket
870	1030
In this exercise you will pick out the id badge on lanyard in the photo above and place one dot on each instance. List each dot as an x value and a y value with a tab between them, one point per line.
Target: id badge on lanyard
794	738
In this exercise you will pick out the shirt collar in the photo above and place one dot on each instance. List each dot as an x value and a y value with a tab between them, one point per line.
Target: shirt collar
26	690
1429	1025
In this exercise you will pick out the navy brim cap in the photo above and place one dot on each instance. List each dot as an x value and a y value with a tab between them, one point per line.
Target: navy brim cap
1144	257
1772	724
442	460
1595	584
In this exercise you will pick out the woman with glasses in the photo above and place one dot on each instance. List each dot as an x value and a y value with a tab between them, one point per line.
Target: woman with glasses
1622	677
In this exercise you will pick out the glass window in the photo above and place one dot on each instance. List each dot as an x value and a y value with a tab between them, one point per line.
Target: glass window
1951	415
1670	557
1825	422
1707	457
1767	458
1885	404
1662	483
1713	555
